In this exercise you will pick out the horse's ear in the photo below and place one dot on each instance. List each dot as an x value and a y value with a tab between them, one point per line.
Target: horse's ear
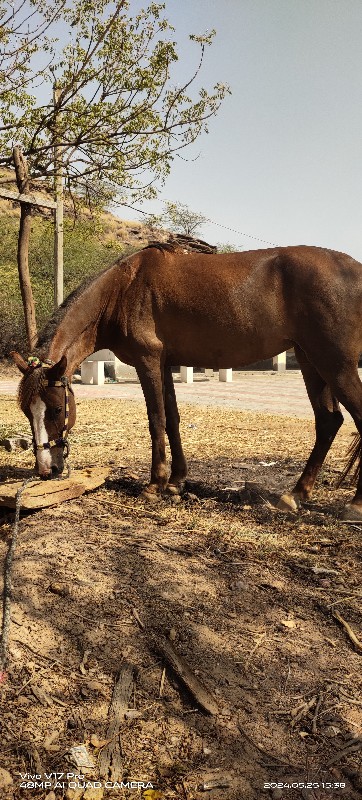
58	370
19	361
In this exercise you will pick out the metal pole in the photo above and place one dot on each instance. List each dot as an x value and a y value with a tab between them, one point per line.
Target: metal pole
59	211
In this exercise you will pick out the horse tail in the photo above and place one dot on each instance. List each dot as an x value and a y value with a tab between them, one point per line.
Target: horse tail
354	455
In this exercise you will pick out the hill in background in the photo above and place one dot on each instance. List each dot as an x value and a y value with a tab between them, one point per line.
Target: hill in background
91	243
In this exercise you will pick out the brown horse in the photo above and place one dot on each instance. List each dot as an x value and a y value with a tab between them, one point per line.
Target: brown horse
162	306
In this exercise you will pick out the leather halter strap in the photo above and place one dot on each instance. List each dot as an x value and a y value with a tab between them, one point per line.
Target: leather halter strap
62	440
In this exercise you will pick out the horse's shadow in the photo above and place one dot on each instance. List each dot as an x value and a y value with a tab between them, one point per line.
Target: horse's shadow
15	473
260	487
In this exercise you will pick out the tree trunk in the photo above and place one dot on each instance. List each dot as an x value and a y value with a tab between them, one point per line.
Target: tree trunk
22	180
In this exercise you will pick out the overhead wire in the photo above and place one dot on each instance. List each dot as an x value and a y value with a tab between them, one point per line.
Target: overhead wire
218	224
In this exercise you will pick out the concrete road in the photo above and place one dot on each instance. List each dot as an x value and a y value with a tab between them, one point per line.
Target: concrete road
276	393
271	392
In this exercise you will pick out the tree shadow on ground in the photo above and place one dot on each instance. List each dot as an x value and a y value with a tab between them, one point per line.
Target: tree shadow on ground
247	613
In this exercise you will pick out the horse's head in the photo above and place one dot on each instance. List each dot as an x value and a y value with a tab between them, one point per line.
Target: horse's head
47	400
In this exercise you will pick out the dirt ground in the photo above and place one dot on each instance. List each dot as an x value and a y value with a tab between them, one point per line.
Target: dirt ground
247	592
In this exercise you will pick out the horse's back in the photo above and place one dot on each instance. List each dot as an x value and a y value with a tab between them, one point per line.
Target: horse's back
236	308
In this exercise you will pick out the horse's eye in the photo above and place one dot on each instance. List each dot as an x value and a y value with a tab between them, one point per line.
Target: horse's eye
58	410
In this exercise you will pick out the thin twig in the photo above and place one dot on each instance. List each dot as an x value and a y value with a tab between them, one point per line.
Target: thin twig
162	682
350	633
41	655
316	713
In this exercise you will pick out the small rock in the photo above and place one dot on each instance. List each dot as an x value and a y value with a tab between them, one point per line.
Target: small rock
50	796
59	588
288	623
11	443
277	794
241	585
5	778
331	731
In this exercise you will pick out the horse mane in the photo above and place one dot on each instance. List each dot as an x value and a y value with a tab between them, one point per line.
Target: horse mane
47	333
176	243
31	384
182	243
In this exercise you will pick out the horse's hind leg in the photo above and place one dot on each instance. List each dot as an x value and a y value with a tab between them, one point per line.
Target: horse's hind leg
347	386
178	464
328	420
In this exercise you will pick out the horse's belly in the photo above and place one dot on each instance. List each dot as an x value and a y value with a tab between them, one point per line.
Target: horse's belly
225	350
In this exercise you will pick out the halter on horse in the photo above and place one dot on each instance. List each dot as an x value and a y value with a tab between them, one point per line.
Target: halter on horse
33	390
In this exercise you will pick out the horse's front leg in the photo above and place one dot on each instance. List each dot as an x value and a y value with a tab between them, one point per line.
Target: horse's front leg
178	463
150	373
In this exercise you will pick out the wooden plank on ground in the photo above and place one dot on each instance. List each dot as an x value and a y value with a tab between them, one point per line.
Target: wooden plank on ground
110	757
41	494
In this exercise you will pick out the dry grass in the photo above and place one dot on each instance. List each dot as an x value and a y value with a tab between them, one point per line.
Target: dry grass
236	581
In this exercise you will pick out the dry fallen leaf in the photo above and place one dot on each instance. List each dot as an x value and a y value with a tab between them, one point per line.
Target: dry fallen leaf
98	743
49	740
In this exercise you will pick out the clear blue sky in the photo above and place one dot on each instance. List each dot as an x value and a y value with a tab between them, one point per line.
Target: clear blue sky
283	158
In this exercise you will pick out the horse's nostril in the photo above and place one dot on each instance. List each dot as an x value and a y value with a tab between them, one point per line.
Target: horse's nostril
55	470
46	476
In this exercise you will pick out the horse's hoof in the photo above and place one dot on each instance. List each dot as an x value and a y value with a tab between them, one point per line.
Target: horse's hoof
352	513
150	497
172	489
288	502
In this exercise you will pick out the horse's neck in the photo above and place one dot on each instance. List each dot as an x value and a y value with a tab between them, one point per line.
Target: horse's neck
78	333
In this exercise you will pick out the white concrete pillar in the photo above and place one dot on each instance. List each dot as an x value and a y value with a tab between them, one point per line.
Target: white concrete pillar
187	374
280	362
92	372
102	355
225	375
